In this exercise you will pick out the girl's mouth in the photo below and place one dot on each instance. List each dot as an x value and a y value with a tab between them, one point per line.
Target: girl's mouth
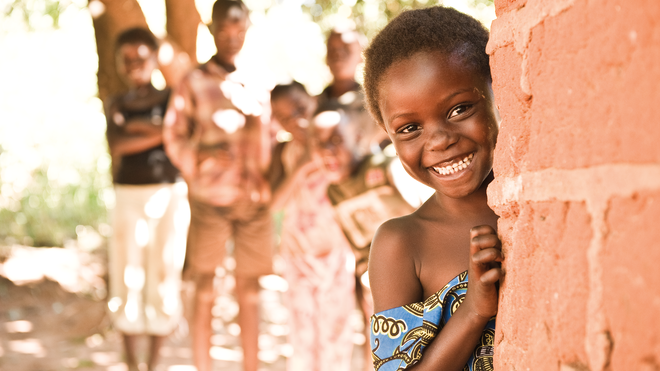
454	167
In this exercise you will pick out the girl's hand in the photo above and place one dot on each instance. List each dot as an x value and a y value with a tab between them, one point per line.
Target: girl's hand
305	168
484	271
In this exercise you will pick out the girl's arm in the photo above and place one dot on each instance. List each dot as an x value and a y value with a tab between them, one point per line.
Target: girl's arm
143	126
180	132
282	190
394	282
123	142
392	272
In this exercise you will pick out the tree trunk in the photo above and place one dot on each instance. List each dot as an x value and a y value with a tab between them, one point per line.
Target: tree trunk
109	19
182	22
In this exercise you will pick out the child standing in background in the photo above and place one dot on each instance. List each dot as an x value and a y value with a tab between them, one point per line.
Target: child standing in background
363	193
151	215
319	264
344	56
428	84
214	134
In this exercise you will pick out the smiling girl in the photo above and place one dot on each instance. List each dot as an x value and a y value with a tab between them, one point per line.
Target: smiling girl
428	84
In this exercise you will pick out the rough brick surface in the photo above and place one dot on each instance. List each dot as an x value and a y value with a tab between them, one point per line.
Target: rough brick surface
630	261
590	72
514	133
545	275
577	183
502	6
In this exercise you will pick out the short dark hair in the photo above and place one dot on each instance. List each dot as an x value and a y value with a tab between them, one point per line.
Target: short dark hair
436	28
351	32
221	9
282	90
137	35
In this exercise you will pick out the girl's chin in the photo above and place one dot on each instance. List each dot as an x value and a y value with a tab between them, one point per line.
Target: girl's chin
458	191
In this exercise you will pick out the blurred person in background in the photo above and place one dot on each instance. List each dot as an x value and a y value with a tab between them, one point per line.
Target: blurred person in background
344	58
344	95
213	133
365	189
151	216
319	263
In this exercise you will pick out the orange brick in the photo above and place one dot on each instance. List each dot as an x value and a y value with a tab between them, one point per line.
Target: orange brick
504	6
513	106
593	72
543	308
632	281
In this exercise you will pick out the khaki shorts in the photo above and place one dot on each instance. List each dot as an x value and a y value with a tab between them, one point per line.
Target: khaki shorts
210	229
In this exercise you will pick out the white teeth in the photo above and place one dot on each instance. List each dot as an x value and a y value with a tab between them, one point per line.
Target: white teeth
457	166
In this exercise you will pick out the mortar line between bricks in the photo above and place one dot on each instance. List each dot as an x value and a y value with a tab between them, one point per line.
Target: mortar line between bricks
586	184
597	343
515	28
595	186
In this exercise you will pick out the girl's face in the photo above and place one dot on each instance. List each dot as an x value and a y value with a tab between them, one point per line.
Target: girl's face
442	120
135	63
335	153
293	112
344	56
229	34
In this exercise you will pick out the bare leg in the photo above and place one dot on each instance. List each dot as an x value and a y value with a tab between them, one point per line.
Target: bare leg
154	351
201	322
129	348
247	295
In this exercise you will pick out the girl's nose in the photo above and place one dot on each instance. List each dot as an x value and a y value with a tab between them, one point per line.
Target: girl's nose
441	138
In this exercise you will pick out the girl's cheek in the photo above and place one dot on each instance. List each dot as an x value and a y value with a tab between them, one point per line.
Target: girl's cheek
406	157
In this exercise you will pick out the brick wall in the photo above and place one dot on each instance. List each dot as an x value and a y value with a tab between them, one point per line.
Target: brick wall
577	183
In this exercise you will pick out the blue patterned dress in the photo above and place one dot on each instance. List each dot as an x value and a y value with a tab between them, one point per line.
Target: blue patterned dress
399	335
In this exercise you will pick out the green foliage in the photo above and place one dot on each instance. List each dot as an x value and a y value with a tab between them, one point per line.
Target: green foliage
369	16
36	14
478	3
47	214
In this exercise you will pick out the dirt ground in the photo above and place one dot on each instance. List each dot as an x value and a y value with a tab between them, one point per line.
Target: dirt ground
53	317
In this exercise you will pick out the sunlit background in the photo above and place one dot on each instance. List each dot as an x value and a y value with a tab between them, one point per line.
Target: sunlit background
55	185
54	166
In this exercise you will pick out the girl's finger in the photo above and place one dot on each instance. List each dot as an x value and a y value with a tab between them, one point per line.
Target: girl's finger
484	241
488	256
492	276
481	229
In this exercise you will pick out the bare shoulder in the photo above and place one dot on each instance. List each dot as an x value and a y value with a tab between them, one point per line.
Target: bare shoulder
396	233
393	272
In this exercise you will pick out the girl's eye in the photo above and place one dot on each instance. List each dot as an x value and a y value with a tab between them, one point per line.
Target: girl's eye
459	110
409	128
